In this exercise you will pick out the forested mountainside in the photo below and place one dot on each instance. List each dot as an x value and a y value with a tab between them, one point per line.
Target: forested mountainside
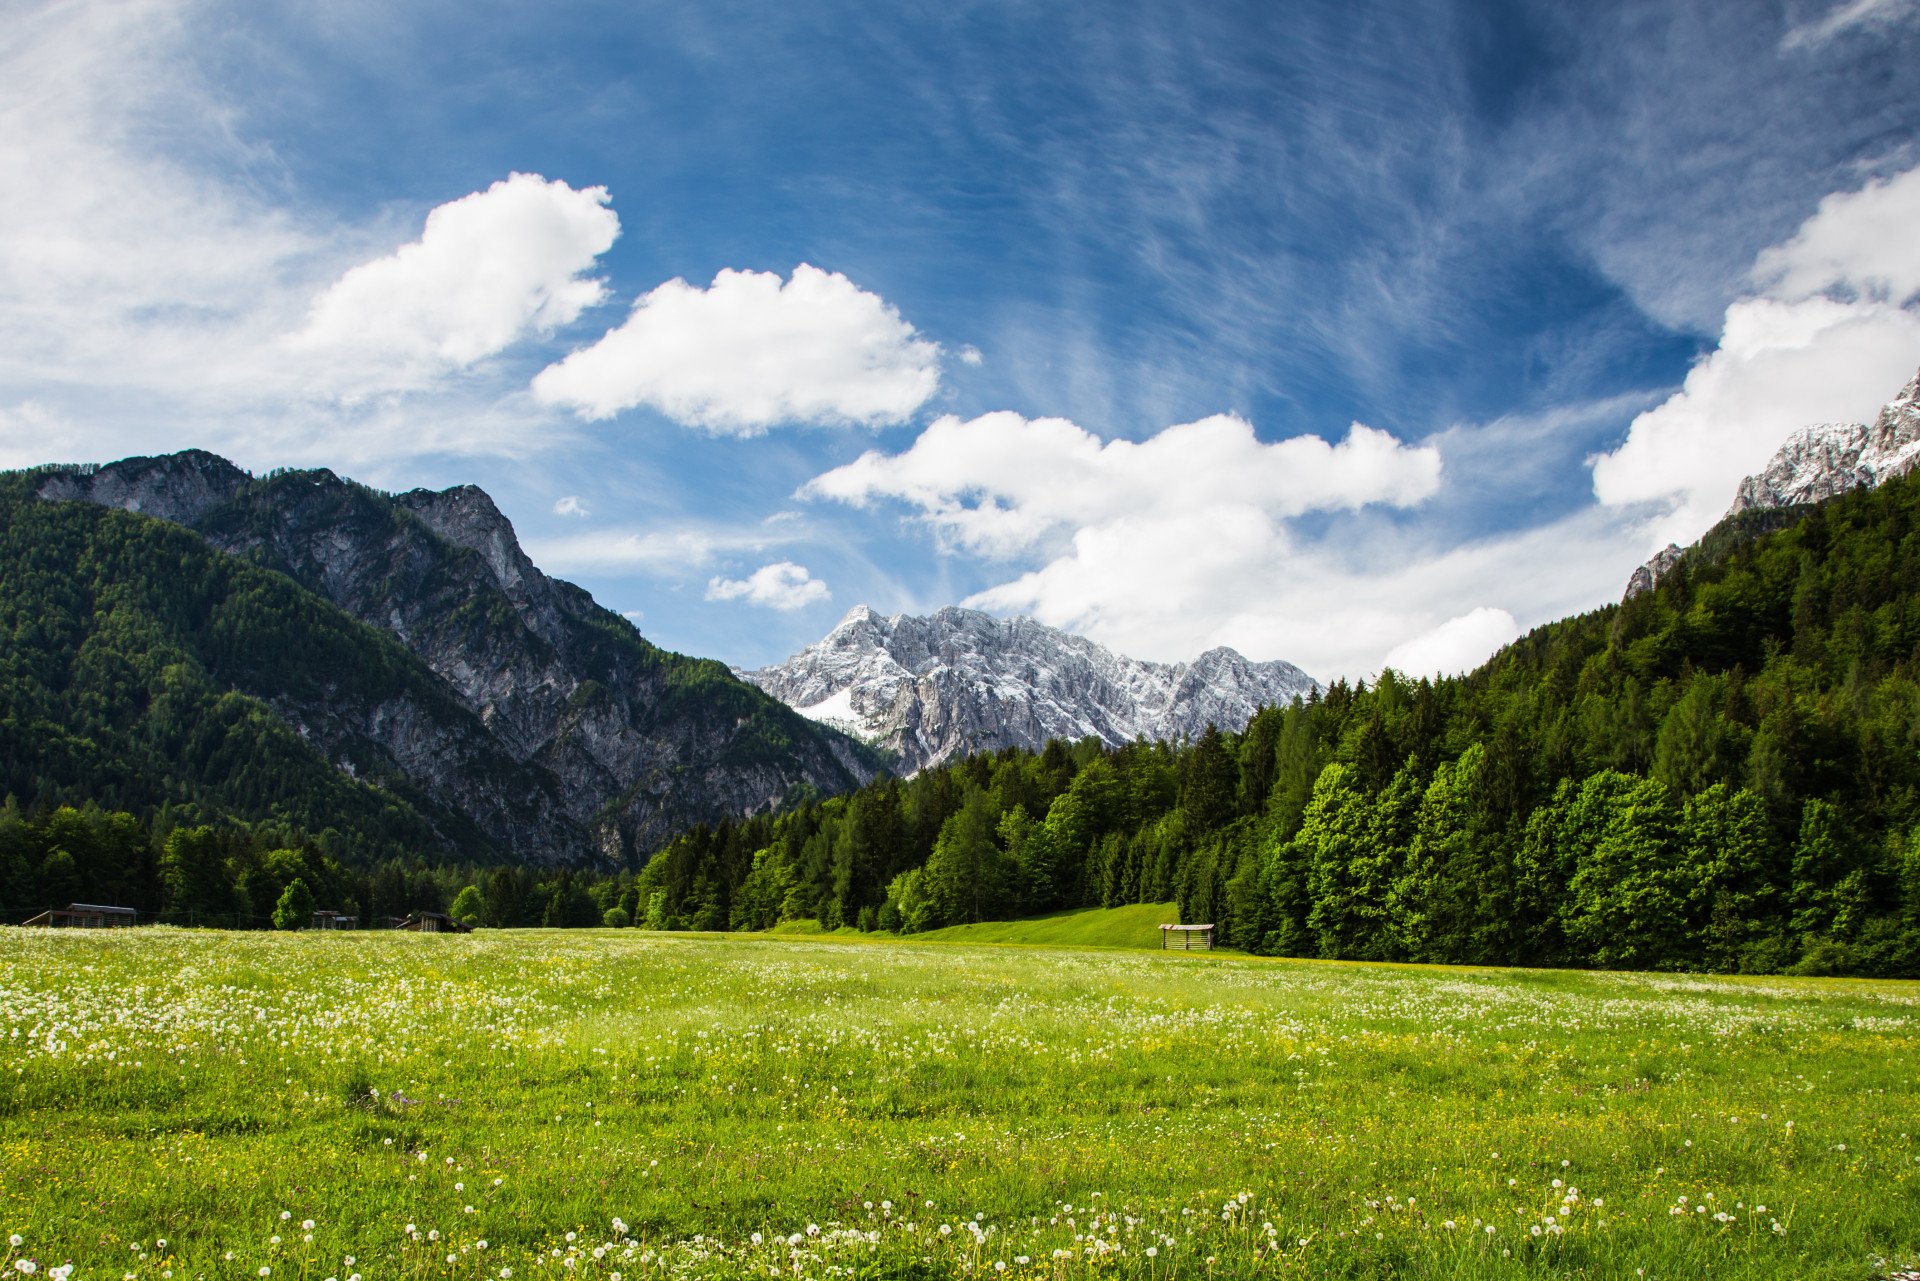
1722	772
300	648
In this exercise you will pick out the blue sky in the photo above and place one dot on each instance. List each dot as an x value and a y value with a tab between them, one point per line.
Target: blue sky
1350	333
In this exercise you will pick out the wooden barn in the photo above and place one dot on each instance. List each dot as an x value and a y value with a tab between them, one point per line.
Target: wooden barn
86	916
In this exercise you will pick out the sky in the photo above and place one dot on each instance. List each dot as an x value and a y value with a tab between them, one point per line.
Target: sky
1358	333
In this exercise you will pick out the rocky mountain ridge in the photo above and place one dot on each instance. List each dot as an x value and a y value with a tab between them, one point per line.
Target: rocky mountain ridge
929	689
598	744
1815	463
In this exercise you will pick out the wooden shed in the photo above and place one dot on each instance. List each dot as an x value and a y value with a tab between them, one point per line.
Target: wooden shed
435	923
86	916
335	921
1190	937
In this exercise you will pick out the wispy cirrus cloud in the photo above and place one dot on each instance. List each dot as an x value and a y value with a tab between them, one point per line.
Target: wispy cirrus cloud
161	286
1849	15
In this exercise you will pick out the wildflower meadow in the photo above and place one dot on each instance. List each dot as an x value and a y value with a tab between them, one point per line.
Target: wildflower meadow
181	1104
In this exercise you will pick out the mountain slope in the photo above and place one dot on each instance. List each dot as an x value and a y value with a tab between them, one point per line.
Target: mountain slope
960	681
144	669
633	742
1816	463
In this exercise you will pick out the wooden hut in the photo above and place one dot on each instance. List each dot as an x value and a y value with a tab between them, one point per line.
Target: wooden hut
335	921
435	923
86	916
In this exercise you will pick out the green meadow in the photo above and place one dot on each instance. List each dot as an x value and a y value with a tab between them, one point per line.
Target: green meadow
178	1104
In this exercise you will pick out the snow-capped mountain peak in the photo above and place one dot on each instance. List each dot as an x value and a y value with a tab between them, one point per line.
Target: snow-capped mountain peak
1817	462
958	681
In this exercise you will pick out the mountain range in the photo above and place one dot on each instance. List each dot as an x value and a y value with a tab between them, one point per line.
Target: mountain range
1814	464
931	689
515	719
301	647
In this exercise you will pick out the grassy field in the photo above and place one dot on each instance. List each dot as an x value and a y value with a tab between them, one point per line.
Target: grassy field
177	1104
1136	927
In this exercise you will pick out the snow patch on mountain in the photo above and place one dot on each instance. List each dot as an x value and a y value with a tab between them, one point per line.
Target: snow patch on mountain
958	681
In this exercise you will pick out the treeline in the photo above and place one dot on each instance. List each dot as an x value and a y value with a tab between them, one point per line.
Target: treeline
1723	773
237	876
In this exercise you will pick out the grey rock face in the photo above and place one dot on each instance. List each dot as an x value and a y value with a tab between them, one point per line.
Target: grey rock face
959	681
1818	462
179	488
1648	576
596	742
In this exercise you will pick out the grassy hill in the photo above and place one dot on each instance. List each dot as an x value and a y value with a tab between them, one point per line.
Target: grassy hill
1136	926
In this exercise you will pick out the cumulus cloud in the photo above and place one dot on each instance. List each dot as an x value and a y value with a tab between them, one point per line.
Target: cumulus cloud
1862	242
487	269
571	505
1824	339
1457	645
751	352
970	355
1001	484
1152	546
782	585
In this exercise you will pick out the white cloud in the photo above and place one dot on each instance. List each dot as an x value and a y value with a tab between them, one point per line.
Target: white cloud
751	352
658	551
1001	484
571	505
664	551
782	585
1825	341
151	278
1152	546
1456	646
970	355
1845	17
488	269
1864	242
